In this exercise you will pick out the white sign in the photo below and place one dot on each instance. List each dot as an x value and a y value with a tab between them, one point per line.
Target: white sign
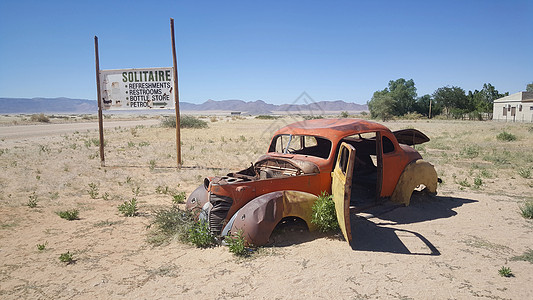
137	88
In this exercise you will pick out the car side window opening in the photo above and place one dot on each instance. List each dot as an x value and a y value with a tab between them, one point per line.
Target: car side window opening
388	146
301	144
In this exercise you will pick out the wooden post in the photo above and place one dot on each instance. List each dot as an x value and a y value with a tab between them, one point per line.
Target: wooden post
176	95
429	108
99	95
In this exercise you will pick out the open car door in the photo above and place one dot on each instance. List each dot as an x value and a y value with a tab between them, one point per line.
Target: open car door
341	187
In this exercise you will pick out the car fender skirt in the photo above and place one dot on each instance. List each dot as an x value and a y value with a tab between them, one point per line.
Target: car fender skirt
258	218
416	173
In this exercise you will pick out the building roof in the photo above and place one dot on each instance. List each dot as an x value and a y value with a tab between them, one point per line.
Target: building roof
517	97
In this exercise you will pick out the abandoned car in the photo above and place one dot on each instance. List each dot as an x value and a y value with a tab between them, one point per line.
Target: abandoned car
361	163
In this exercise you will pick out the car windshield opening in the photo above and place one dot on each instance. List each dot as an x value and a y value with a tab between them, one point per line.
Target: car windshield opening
301	144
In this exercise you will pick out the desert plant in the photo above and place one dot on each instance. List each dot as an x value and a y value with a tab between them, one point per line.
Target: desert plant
152	164
179	198
506	136
267	117
526	210
93	190
41	247
171	222
162	189
345	114
39	118
464	183
236	244
478	182
200	236
106	196
470	151
324	215
186	121
69	214
527	256
66	257
524	172
32	201
312	117
505	272
129	208
136	190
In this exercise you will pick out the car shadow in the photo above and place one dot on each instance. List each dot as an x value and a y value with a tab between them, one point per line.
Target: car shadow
373	229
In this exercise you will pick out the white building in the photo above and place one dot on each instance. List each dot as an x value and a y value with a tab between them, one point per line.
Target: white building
514	108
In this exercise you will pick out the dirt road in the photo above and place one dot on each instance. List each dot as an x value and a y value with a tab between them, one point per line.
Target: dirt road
29	131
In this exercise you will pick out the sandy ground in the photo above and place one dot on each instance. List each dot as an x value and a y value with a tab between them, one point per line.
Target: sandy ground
446	247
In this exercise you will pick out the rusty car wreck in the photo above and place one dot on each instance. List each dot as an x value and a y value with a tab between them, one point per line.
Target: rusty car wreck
361	163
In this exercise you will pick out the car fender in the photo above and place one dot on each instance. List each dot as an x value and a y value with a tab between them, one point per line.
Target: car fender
258	218
415	173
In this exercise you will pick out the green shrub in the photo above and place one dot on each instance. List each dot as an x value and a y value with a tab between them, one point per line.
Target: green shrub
267	117
524	172
506	136
186	121
93	190
324	215
236	244
527	256
505	272
69	214
526	210
128	208
169	223
66	257
311	117
470	151
200	236
41	247
344	114
179	198
32	201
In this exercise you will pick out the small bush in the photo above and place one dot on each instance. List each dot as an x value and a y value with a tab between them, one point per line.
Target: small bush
39	118
267	117
179	198
527	256
478	182
236	244
128	208
506	136
524	172
324	215
505	272
66	257
93	190
200	236
32	201
311	117
344	114
526	210
470	151
41	247
186	121
69	214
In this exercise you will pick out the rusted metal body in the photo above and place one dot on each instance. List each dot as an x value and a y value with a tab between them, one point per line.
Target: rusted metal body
301	163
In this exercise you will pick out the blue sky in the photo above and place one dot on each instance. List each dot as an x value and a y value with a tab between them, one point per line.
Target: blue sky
269	50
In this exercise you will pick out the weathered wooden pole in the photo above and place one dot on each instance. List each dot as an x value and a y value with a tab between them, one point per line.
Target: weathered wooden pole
99	95
176	95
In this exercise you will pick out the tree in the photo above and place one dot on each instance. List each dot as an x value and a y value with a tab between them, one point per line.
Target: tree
403	92
399	97
529	87
381	105
422	106
483	100
452	99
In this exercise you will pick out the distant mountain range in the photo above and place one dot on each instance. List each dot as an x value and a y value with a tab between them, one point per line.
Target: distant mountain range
68	105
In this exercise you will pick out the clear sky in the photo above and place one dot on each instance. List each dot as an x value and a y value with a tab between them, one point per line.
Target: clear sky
268	50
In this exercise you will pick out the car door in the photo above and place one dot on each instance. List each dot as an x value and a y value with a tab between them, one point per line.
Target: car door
341	187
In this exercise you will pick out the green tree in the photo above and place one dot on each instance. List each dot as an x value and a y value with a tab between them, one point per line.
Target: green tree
399	97
529	87
403	92
381	105
483	100
453	100
422	106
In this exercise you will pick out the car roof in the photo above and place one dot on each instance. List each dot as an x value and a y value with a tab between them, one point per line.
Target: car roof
331	128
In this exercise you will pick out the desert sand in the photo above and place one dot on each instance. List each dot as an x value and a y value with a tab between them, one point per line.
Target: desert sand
448	246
